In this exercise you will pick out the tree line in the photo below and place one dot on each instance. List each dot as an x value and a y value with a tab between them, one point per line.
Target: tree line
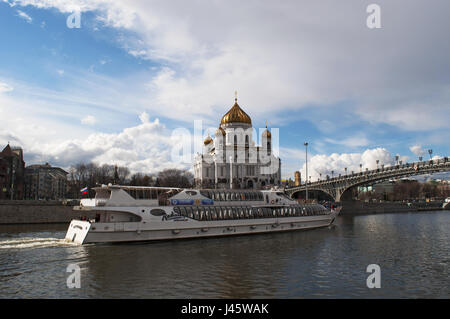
92	175
410	191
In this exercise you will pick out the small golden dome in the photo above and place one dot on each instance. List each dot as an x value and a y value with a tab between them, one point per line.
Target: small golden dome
236	115
207	140
267	133
220	131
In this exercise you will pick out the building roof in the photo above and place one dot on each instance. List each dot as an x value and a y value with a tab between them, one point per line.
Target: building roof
236	115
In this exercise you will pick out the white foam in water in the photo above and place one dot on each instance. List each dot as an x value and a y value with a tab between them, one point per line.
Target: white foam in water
34	242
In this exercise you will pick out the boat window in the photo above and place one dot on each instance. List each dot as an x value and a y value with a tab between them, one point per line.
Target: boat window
267	212
157	212
183	211
176	210
218	213
225	212
245	212
207	214
195	212
230	213
191	193
260	212
234	213
213	213
274	212
201	213
279	212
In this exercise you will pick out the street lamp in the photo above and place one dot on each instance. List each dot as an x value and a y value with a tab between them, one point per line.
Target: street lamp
360	168
345	171
420	158
430	152
378	161
396	159
332	172
320	174
306	156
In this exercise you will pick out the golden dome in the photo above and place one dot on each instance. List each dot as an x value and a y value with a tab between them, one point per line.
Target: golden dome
236	115
220	131
267	133
207	140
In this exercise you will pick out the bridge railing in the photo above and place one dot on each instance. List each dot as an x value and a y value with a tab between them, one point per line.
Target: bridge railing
382	171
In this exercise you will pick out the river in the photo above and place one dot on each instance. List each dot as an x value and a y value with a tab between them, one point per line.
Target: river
412	250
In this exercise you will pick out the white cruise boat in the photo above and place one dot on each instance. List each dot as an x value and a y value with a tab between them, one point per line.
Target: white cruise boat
132	213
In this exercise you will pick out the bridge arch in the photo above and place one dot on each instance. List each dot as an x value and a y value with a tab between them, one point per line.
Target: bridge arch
340	186
313	193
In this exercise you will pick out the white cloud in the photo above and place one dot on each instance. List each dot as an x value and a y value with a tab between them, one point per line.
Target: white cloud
337	163
145	147
60	71
24	16
417	150
4	87
89	120
354	141
305	56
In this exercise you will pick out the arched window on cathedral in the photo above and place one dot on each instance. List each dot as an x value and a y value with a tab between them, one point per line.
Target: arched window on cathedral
235	140
268	148
246	140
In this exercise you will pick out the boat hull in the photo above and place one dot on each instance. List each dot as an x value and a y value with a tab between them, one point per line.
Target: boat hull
132	232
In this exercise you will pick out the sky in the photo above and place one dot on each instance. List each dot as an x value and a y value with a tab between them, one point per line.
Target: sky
114	90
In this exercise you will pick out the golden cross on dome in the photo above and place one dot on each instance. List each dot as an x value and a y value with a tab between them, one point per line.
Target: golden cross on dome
235	96
266	123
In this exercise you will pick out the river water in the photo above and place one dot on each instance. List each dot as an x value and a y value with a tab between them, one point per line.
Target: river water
412	250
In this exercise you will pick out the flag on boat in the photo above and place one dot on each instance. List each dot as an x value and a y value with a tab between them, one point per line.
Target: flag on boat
84	191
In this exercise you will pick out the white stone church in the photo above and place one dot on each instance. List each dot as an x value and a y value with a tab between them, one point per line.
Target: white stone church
232	160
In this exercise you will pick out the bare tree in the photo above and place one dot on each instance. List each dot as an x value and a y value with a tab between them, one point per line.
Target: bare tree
173	177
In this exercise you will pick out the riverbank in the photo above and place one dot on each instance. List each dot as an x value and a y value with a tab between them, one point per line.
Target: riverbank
54	212
360	208
37	212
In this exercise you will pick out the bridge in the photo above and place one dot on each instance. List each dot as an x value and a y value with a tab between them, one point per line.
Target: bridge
338	186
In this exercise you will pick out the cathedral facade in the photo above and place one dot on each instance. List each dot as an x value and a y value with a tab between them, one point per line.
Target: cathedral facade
233	160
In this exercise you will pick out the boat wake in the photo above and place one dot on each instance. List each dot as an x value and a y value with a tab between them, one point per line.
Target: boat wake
34	242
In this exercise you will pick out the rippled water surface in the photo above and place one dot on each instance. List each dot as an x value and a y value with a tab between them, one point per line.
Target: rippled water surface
412	250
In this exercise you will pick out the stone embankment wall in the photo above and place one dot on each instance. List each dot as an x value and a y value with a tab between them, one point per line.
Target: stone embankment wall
358	207
37	212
